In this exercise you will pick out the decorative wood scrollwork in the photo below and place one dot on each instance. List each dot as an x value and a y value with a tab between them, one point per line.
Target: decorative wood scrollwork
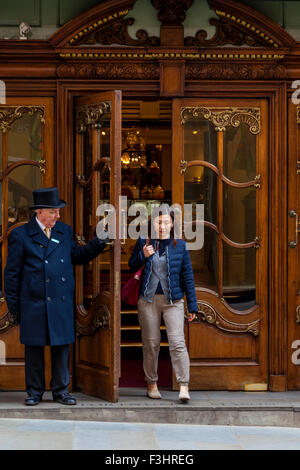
224	117
9	114
116	33
4	323
298	115
210	315
226	33
114	71
215	71
171	12
298	314
91	114
98	316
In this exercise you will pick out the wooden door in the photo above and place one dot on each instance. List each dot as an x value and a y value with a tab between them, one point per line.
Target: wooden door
293	215
220	159
98	176
26	163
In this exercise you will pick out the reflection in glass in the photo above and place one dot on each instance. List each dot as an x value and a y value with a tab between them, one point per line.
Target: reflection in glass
21	182
200	186
200	141
239	153
204	262
239	276
239	205
25	139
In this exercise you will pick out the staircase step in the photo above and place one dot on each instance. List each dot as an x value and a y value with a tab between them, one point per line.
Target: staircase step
205	407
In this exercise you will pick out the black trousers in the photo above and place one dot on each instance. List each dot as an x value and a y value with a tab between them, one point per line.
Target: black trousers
35	370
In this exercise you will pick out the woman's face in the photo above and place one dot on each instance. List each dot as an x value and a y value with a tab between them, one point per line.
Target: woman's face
163	225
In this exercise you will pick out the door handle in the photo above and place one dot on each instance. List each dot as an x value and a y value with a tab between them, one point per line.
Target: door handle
294	243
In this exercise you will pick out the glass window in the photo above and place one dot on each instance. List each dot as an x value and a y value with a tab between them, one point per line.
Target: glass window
25	139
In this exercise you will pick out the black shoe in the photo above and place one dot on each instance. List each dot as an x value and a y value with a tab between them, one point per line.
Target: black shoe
65	399
32	401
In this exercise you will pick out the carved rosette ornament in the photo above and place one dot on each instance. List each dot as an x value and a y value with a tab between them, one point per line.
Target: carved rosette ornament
91	115
210	315
224	117
9	114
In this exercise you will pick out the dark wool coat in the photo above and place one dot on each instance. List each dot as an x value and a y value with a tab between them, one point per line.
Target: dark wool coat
180	272
39	281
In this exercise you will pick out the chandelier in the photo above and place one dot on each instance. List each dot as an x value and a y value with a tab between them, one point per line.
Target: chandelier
134	155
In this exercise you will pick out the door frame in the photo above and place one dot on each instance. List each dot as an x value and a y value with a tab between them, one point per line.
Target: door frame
275	91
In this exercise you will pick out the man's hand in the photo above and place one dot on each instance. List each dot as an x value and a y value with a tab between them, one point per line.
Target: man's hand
14	318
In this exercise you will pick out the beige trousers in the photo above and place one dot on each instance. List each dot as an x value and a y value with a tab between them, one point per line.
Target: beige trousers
150	320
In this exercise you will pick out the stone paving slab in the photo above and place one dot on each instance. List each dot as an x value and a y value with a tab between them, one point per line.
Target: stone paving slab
29	434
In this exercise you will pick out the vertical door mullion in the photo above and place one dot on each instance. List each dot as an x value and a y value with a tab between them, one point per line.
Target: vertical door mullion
220	212
4	201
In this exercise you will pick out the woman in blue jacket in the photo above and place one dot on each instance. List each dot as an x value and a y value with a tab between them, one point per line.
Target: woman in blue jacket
167	276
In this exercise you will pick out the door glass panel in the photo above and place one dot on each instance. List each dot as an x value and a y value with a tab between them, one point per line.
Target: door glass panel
239	153
239	276
205	261
25	139
200	186
239	217
21	182
200	141
87	216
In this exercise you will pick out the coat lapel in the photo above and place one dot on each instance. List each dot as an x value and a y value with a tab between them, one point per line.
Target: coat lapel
56	240
36	234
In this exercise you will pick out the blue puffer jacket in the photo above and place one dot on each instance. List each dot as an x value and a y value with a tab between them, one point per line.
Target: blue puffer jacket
180	273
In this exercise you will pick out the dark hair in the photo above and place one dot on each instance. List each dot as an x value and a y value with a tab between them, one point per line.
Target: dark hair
163	209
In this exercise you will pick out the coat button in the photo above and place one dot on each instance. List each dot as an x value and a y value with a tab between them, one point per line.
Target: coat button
41	246
63	279
48	279
49	299
62	260
46	261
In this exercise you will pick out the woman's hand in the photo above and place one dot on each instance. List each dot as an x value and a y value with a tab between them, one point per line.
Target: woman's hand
192	317
148	250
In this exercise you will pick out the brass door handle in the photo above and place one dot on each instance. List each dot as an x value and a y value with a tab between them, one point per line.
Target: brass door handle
294	243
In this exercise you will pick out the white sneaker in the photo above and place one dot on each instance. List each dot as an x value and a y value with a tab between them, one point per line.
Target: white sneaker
184	394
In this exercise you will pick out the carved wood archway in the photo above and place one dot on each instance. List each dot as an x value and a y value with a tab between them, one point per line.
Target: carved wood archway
96	44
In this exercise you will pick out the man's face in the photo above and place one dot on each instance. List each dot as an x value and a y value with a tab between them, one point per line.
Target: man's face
48	217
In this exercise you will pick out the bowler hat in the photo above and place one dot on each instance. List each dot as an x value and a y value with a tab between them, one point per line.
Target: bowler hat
47	198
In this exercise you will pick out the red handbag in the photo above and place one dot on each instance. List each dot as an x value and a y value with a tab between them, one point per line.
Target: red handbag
130	290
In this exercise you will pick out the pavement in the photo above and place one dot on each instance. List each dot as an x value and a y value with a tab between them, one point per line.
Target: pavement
32	434
211	420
